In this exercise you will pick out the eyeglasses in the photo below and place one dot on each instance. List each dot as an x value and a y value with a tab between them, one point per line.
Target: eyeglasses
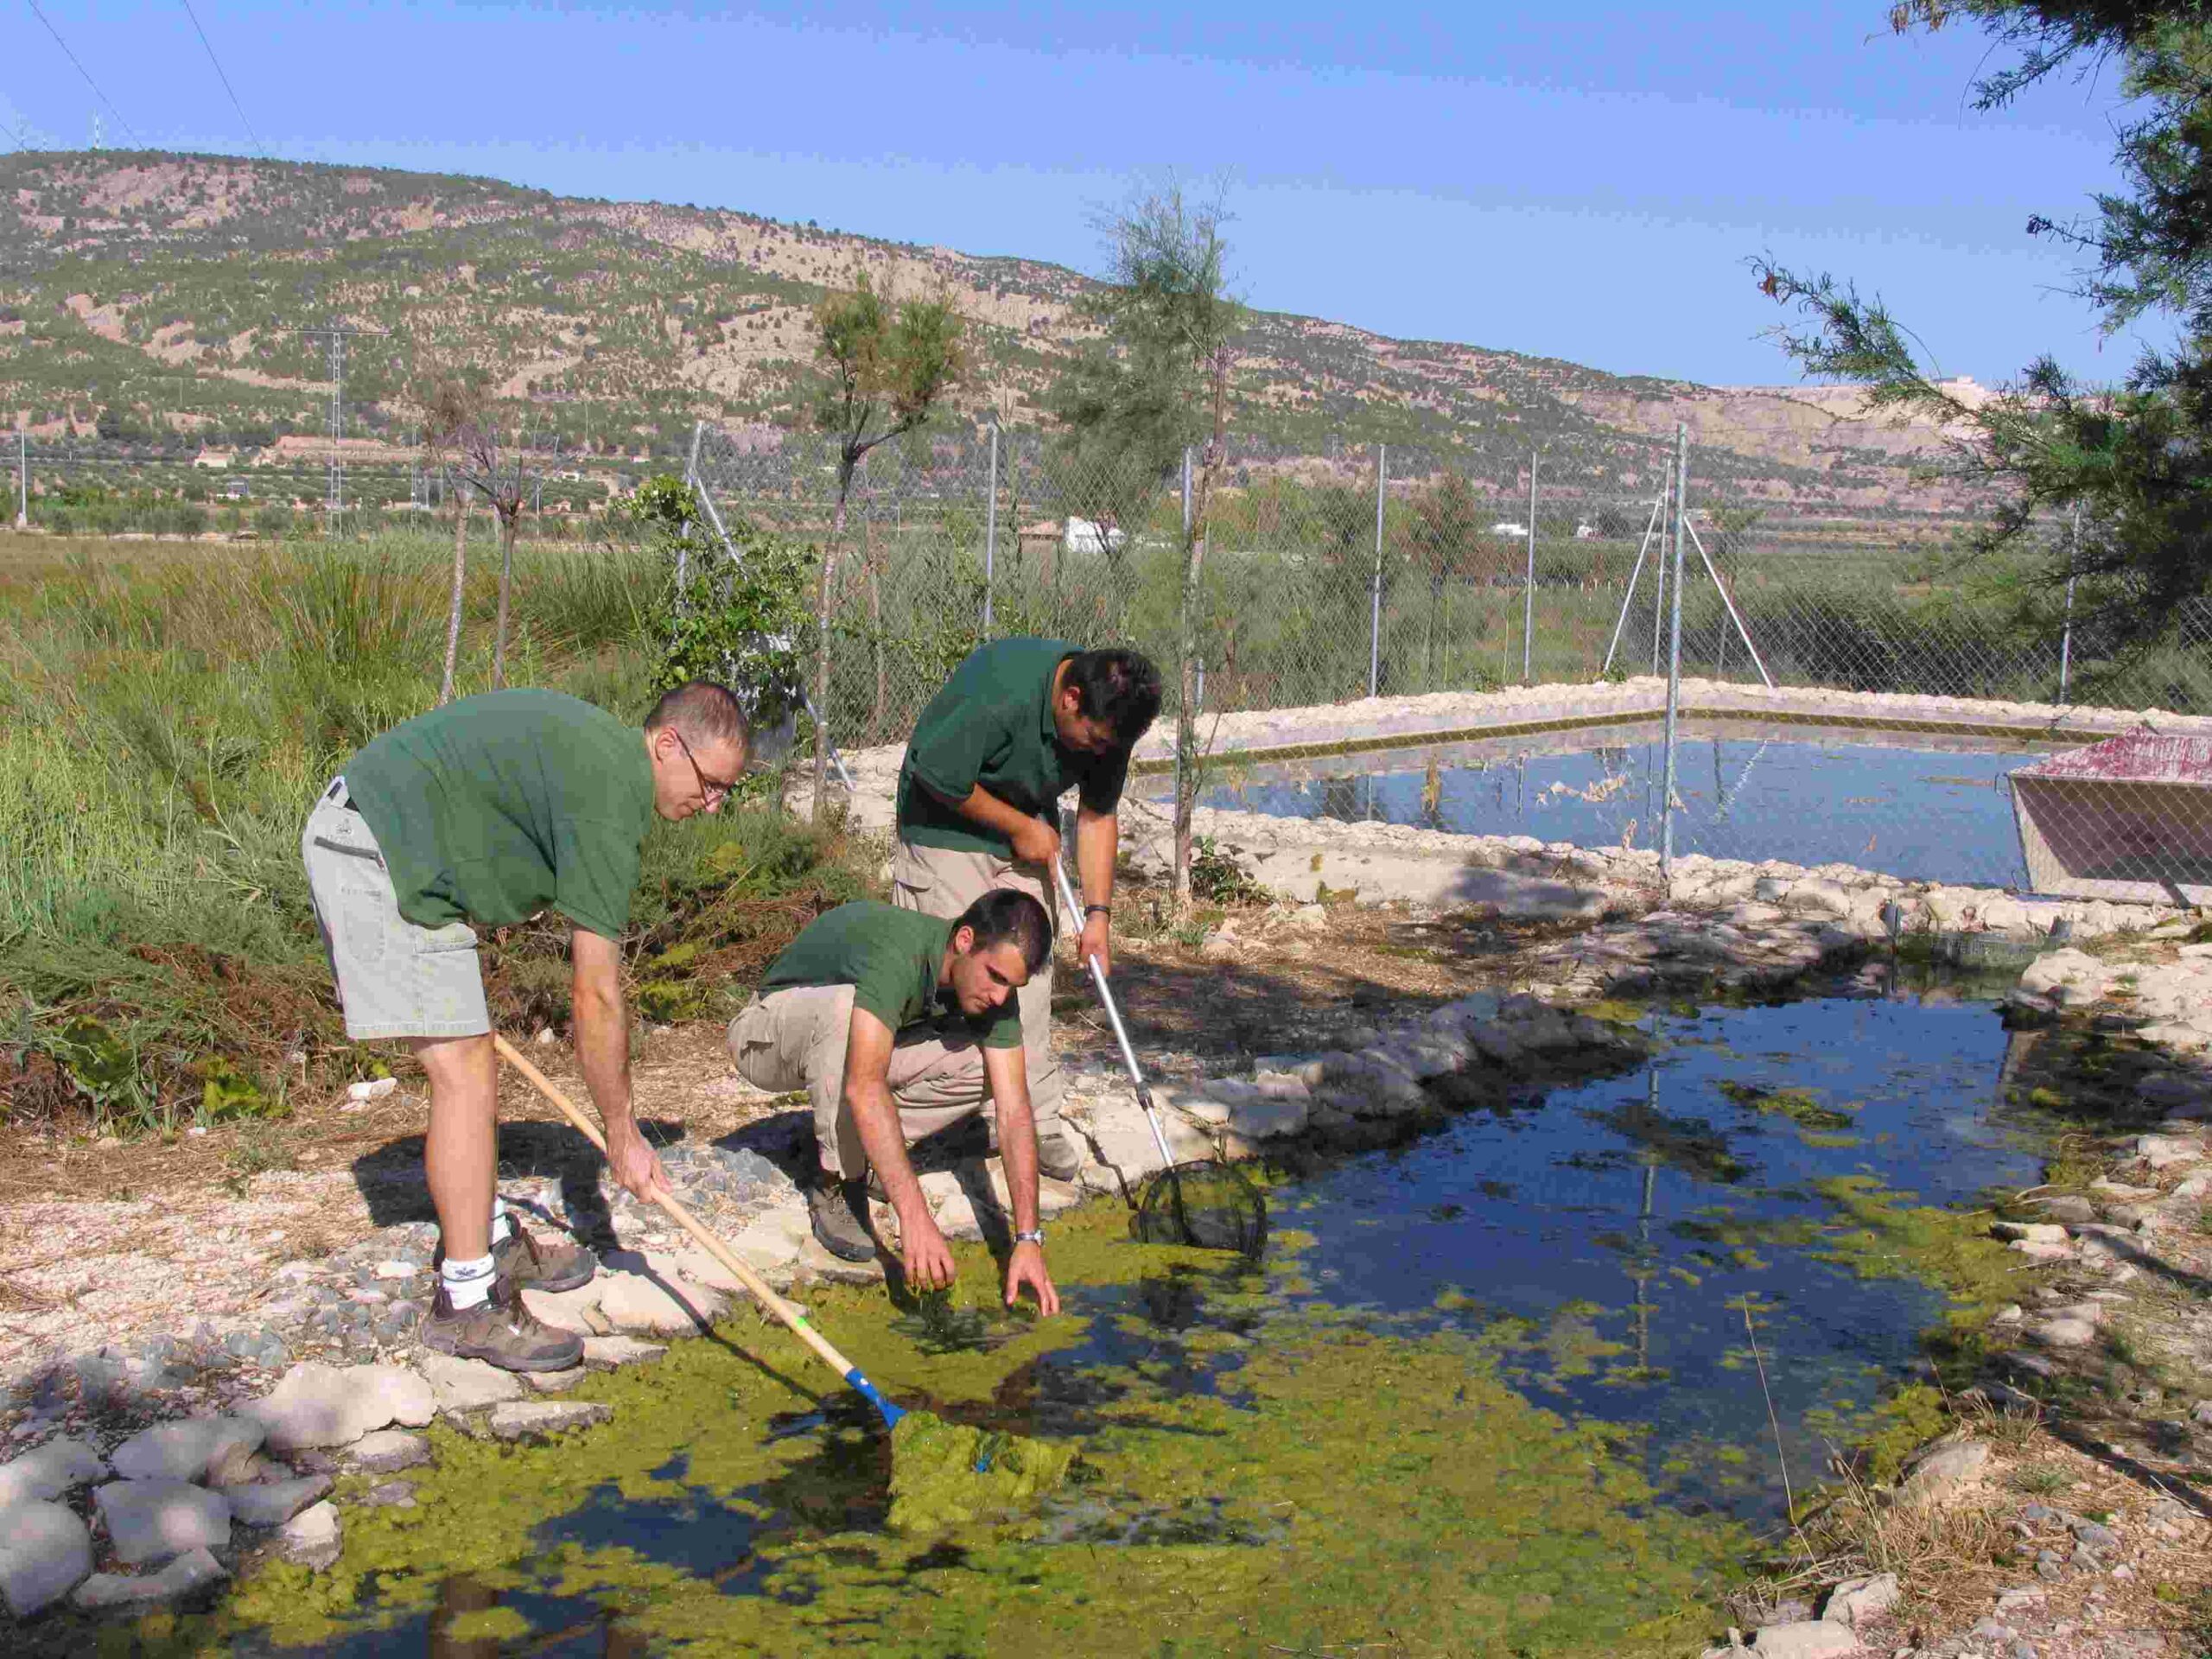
714	791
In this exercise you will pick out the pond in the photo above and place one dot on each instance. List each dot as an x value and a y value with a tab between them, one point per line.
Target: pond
1913	804
1490	1391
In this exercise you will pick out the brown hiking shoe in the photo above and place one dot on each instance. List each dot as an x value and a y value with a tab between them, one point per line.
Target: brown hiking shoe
501	1330
527	1264
838	1211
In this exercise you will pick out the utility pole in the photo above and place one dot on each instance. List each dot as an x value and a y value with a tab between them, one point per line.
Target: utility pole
337	334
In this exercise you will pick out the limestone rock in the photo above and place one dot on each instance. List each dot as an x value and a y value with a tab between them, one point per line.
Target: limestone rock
1123	1140
190	1450
1269	1119
2038	1250
634	1296
575	1311
388	1451
1856	1600
150	1520
274	1503
2068	1207
2164	1151
326	1405
556	1382
1945	1472
44	1552
530	1420
312	1538
1811	1638
458	1385
192	1571
47	1471
2032	1232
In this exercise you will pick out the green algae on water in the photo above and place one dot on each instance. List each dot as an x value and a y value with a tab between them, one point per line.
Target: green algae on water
945	1474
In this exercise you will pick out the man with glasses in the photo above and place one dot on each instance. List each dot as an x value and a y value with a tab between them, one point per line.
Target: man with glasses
488	811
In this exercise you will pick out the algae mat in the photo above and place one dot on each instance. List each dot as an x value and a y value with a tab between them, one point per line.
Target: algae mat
1257	1473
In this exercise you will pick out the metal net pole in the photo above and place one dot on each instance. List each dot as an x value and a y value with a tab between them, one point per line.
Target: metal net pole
1674	649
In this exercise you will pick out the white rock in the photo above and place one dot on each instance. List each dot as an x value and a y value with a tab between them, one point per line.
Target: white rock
194	1570
535	1419
2162	1151
2033	1232
458	1385
1811	1638
1856	1600
2038	1250
575	1311
1945	1472
660	1302
312	1538
1123	1141
370	1089
326	1405
188	1450
150	1520
610	1353
388	1451
49	1471
2065	1333
275	1502
45	1551
1270	1119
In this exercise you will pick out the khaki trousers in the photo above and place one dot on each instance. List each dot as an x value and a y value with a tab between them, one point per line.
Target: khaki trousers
795	1038
945	880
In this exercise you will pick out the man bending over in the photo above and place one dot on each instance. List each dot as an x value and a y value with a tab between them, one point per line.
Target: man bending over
899	1025
1018	725
486	811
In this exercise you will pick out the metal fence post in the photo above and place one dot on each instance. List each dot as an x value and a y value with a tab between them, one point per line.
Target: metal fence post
1528	580
2066	639
1375	595
1187	556
1659	590
990	530
1674	649
23	479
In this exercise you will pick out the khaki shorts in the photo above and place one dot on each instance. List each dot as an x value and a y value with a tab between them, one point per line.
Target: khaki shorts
394	979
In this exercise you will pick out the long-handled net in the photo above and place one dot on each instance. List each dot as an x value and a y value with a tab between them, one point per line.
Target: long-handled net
1200	1201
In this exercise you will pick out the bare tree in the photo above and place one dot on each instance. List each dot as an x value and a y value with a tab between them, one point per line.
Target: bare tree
888	362
449	406
462	423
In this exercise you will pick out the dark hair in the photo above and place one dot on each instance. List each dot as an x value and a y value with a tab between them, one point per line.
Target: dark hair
1119	687
1003	914
702	712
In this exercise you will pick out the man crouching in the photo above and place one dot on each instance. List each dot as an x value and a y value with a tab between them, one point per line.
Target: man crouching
899	1025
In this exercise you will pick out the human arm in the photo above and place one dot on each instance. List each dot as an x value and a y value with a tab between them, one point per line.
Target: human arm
602	1037
1097	840
869	1041
1035	842
1008	1073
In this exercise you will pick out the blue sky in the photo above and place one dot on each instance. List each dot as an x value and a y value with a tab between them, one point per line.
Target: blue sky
1579	181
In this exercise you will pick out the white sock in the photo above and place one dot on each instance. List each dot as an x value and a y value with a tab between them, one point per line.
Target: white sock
501	1226
467	1283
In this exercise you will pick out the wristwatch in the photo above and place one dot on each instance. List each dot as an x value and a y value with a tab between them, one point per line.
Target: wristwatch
1034	1236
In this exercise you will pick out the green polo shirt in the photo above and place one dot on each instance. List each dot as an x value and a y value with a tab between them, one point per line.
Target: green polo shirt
496	807
890	957
992	724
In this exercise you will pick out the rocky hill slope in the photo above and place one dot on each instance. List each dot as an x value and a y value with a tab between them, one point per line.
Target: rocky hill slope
158	295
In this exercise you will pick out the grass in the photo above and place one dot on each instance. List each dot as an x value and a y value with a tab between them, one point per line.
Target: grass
167	719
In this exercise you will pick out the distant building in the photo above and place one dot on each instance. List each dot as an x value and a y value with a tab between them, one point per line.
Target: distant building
1508	528
216	459
1081	536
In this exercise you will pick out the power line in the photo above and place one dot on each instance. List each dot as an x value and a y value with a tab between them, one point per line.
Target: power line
86	73
226	80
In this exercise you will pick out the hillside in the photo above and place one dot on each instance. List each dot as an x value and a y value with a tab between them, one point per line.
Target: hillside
157	290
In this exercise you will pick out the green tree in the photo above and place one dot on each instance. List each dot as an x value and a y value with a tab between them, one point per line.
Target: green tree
2137	459
888	364
1170	319
1444	518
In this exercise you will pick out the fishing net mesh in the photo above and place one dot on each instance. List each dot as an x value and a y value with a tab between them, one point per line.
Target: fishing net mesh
1204	1203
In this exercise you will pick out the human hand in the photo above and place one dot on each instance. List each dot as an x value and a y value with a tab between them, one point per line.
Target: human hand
635	1164
927	1257
1026	1266
1036	841
1093	942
